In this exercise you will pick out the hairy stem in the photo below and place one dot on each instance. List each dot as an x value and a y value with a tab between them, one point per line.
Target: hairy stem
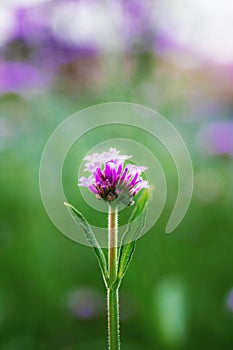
112	290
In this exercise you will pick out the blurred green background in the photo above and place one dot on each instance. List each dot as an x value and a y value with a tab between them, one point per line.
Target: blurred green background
57	57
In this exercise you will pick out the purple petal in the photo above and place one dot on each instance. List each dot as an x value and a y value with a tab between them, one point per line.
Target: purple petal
93	189
86	181
114	177
124	174
113	155
129	176
92	157
119	170
99	172
136	169
97	177
92	166
135	191
143	184
108	171
134	179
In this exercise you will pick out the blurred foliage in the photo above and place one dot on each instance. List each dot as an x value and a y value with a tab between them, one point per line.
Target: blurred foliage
175	292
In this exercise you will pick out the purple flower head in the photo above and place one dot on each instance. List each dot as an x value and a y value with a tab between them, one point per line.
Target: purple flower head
110	180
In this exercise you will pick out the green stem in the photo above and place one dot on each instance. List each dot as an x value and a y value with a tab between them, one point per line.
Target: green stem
112	290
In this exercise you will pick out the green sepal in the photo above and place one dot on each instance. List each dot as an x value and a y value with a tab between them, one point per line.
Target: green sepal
134	228
90	237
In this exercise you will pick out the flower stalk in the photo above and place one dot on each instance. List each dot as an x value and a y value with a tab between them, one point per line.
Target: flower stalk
113	319
112	289
113	182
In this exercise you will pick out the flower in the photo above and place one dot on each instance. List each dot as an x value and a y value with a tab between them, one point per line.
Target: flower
95	160
110	180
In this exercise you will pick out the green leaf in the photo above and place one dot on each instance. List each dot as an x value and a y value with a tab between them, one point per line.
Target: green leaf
90	237
134	228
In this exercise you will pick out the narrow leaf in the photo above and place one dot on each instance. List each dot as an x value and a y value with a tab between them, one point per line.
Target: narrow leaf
133	230
90	237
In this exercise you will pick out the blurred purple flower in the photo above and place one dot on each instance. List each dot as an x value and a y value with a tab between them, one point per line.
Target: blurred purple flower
55	53
230	300
217	138
32	39
85	303
57	32
135	12
166	43
31	24
137	24
37	24
21	77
